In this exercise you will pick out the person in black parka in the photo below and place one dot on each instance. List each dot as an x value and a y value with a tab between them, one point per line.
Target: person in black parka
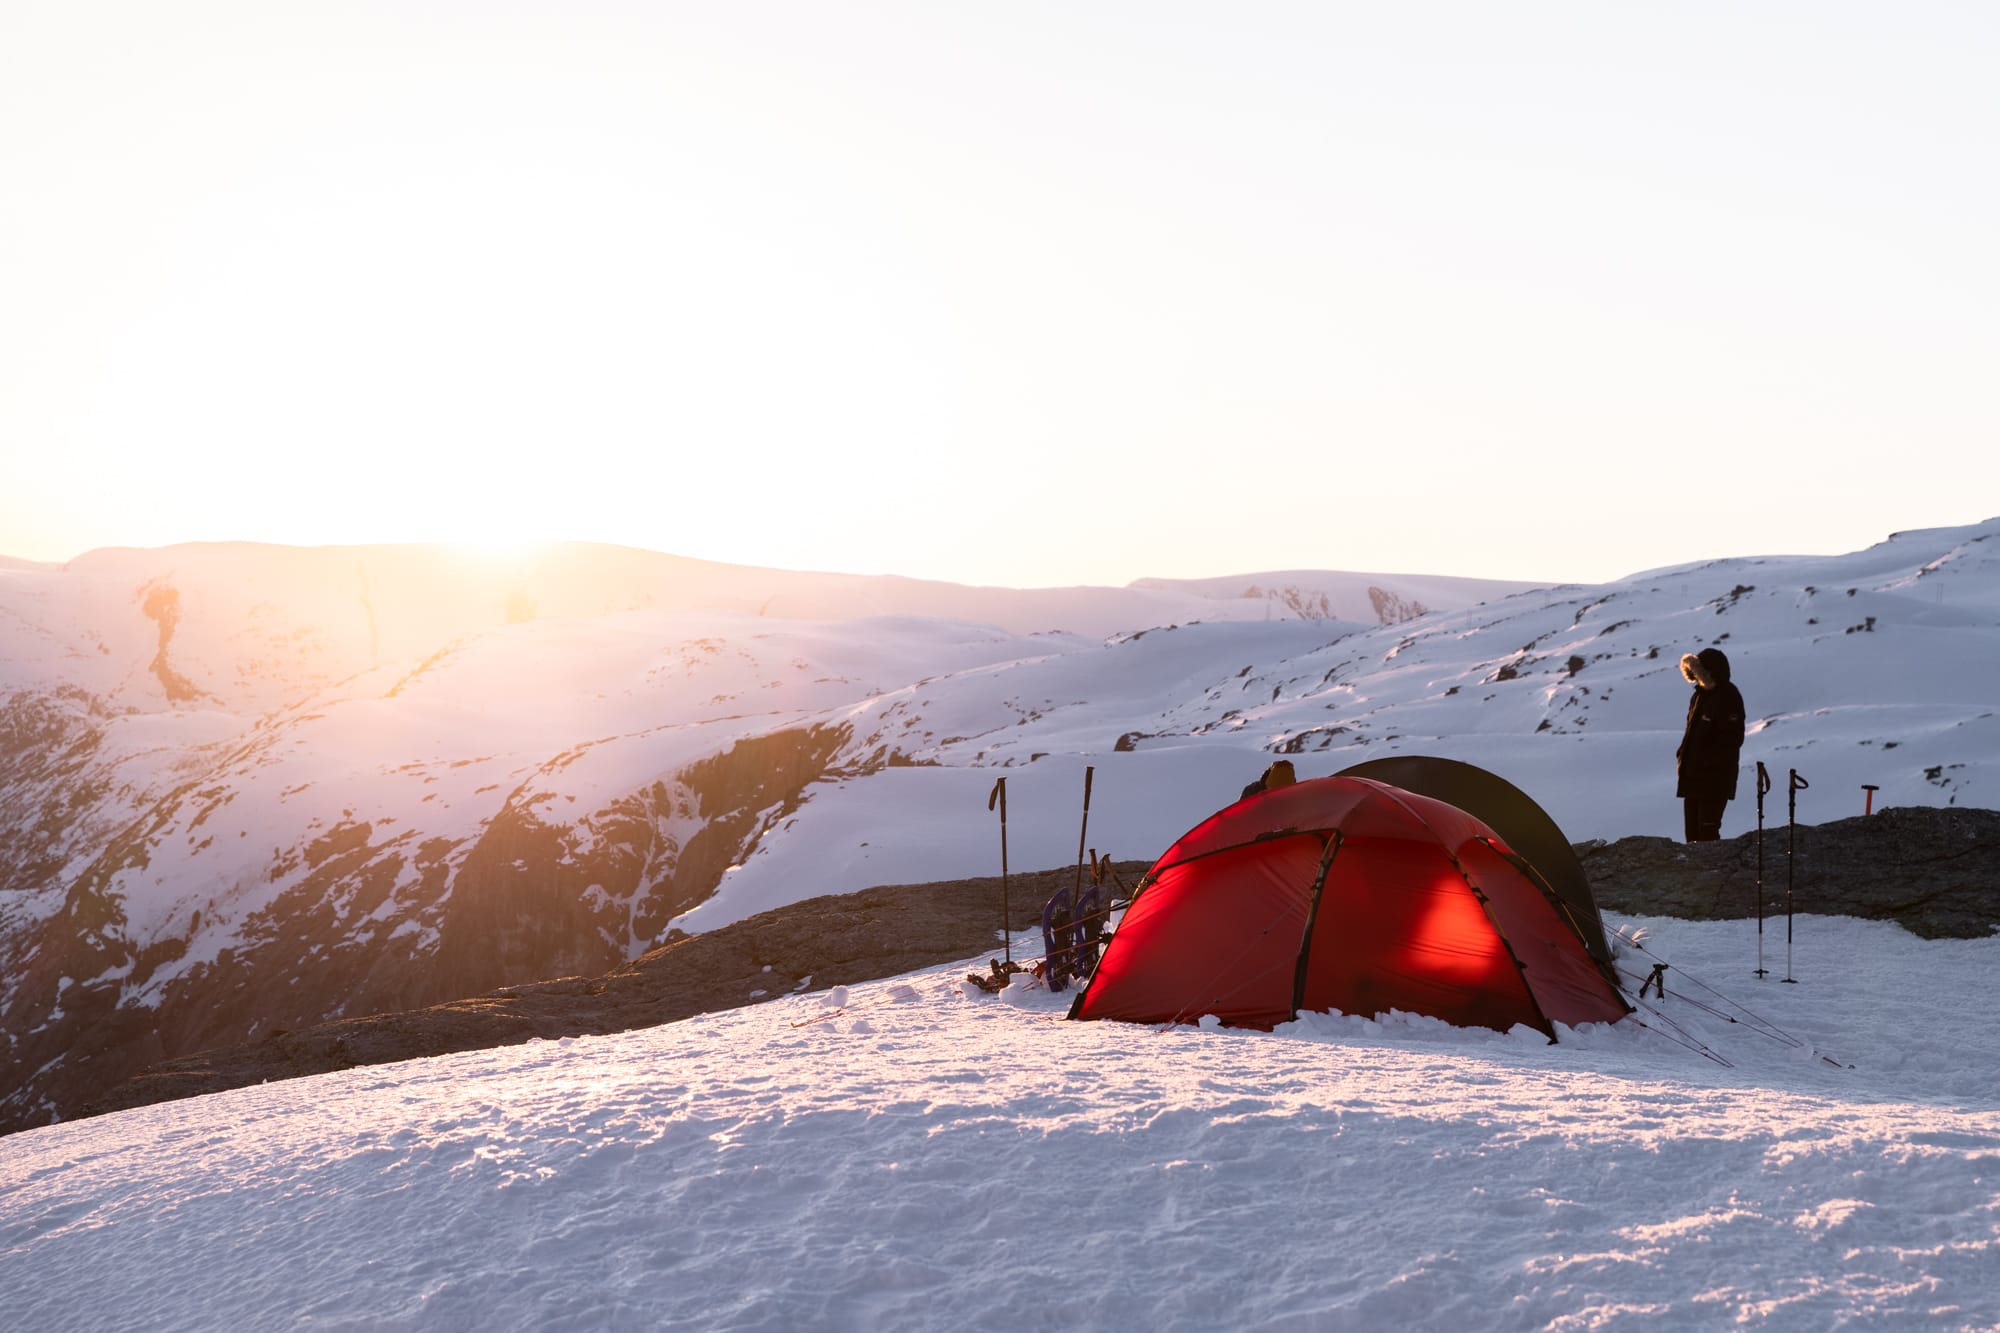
1707	760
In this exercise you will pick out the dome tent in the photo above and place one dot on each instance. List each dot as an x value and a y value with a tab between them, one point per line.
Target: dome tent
1512	814
1347	893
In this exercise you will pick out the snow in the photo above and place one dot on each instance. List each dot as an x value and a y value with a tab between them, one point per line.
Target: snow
259	624
913	1153
1911	705
385	687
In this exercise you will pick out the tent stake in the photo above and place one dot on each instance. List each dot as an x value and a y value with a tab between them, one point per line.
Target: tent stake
1791	825
999	795
1763	785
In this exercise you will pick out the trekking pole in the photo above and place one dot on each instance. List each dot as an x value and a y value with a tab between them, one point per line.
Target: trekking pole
1076	886
1797	784
999	795
1763	786
1084	833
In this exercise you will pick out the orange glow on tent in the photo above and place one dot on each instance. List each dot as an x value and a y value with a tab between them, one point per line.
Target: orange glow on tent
1453	941
1346	893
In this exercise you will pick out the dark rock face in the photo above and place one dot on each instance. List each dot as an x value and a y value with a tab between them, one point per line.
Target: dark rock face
530	899
1934	871
521	904
47	743
1393	610
163	605
806	946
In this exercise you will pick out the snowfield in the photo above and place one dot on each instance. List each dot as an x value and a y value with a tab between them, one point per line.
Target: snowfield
915	1154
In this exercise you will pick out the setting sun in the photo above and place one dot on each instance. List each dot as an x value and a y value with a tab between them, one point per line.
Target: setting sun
496	551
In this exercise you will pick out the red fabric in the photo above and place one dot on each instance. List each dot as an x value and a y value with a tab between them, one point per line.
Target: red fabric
1216	936
1221	926
1399	929
1566	982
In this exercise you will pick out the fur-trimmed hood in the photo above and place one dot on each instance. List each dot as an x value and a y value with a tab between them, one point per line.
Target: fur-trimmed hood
1706	669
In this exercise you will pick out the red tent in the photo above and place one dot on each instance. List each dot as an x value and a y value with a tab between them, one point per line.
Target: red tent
1350	894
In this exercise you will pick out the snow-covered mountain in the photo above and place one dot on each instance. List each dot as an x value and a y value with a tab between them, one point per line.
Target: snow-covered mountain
249	788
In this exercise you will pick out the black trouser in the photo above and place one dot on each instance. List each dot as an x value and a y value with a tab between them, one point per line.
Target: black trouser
1704	817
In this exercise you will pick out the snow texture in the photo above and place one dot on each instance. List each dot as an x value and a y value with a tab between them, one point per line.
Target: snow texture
915	1154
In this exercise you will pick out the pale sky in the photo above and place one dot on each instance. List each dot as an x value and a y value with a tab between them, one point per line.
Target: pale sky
1011	293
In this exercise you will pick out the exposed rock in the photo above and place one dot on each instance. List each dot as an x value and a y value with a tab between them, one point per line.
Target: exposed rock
48	743
1391	609
806	946
1934	871
526	901
163	606
521	903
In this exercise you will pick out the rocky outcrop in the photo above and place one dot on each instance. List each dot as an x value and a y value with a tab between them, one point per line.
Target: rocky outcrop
162	605
373	919
47	744
1934	871
806	946
527	903
1391	609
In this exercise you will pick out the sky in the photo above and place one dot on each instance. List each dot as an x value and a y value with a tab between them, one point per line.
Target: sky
913	1154
1033	294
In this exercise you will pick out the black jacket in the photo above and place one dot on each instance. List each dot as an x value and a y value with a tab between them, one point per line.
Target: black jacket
1707	761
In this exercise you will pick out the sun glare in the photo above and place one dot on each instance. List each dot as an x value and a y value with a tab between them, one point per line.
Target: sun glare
495	550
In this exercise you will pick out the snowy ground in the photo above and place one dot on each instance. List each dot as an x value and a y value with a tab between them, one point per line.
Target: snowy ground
916	1154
